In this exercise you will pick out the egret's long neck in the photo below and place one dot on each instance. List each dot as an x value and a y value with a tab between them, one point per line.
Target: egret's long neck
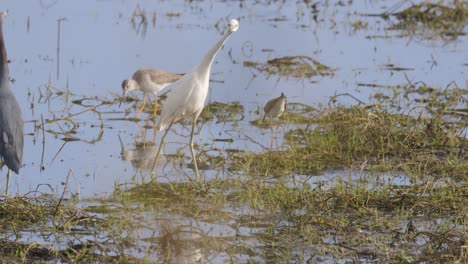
3	57
205	66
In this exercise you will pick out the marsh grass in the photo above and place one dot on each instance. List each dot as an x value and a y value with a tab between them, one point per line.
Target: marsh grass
345	221
223	112
263	214
343	137
47	216
269	220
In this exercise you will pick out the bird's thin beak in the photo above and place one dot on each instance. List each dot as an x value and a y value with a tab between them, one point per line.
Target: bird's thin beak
123	95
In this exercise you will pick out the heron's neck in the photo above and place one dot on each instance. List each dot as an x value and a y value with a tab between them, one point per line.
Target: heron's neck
3	57
205	66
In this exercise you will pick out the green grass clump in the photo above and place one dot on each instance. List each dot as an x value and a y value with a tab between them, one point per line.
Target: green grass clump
44	214
222	112
353	136
193	200
23	210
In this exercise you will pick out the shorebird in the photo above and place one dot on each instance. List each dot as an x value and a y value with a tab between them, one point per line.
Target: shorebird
11	119
275	107
149	81
187	96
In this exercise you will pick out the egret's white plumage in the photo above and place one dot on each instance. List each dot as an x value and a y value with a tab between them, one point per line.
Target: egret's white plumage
188	94
149	81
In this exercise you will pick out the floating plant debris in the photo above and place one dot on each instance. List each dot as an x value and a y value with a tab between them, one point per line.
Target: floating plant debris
299	67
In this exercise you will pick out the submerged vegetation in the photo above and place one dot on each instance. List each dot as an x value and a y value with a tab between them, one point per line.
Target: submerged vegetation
433	20
335	223
299	67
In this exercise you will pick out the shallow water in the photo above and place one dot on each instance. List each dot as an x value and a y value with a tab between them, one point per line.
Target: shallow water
99	47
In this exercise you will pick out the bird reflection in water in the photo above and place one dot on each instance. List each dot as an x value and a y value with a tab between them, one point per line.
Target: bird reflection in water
142	155
177	243
143	129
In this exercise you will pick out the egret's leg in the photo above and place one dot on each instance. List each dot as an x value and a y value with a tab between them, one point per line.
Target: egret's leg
7	182
142	107
163	139
155	132
193	152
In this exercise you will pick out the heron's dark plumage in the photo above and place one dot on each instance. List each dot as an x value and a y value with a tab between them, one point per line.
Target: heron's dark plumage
11	119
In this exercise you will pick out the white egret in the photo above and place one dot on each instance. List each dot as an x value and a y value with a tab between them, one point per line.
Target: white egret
188	94
149	81
275	107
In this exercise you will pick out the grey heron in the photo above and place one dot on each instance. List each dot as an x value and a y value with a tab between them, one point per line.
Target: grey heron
11	119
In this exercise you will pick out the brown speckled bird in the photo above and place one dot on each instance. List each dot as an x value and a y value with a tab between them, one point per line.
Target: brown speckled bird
275	107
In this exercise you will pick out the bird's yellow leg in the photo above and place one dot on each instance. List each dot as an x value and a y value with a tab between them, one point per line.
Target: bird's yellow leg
155	105
142	107
193	152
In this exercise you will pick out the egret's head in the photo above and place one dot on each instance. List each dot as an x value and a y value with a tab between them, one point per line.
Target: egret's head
3	14
128	85
233	25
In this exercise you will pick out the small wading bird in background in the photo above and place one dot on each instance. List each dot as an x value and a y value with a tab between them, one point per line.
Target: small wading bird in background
11	119
149	81
275	107
187	96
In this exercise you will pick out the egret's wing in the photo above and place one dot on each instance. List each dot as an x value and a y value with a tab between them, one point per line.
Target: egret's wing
178	103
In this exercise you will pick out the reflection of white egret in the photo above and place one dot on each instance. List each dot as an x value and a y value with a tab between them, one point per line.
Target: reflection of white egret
141	157
178	242
187	96
149	81
275	107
